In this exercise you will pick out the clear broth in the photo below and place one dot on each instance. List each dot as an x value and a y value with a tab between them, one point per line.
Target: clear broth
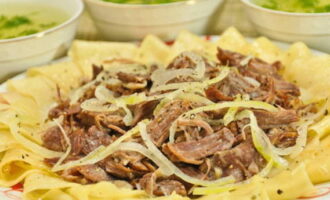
17	20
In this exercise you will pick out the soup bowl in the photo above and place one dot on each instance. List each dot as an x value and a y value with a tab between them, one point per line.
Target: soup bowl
128	22
310	28
17	54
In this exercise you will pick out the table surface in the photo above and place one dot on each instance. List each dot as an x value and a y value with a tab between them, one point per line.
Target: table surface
231	13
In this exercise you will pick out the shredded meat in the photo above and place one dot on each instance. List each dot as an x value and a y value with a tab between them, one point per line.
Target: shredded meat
77	141
280	91
64	109
163	187
117	169
198	123
193	151
53	139
95	138
86	174
253	67
93	173
167	187
272	119
159	127
96	71
203	148
143	110
180	62
88	118
243	161
227	89
283	138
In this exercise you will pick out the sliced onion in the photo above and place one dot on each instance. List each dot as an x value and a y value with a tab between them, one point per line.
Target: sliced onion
246	60
159	107
104	94
252	81
200	67
195	98
100	153
128	119
133	98
240	104
161	76
95	105
175	86
133	146
172	131
261	141
193	85
218	106
67	141
214	121
216	189
230	115
111	71
301	140
135	86
112	82
152	147
77	94
298	147
223	74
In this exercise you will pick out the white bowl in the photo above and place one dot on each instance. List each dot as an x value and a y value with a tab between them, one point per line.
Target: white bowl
18	54
127	22
310	28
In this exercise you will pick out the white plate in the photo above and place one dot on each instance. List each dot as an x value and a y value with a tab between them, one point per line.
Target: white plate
15	192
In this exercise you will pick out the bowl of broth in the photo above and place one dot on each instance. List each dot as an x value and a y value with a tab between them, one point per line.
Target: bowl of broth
307	21
34	32
128	20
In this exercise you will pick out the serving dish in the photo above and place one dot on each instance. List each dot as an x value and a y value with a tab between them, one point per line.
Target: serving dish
18	54
129	22
320	194
310	28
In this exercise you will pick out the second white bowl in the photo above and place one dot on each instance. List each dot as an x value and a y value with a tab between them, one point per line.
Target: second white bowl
124	22
310	28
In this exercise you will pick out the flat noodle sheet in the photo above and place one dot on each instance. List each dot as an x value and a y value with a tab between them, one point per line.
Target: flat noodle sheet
7	141
309	72
29	99
153	51
187	41
84	53
66	75
316	156
47	186
41	90
264	49
16	164
322	128
27	110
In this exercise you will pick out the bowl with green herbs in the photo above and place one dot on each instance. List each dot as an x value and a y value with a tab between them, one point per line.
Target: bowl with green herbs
128	20
34	32
292	20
